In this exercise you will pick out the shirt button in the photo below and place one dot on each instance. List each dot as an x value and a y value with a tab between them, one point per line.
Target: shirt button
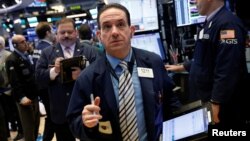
67	94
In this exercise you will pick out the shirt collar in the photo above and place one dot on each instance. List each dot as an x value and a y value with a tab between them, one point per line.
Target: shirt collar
44	40
114	61
211	15
22	54
72	46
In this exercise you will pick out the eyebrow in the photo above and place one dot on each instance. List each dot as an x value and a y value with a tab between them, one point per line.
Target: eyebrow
120	20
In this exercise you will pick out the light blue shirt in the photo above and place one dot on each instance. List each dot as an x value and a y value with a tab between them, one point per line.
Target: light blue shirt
114	62
25	56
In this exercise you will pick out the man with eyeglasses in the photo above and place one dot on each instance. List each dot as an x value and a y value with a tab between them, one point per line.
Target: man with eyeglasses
48	73
20	71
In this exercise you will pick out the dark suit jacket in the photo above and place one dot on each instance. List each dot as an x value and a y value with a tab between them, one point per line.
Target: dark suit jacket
21	76
96	79
36	55
59	94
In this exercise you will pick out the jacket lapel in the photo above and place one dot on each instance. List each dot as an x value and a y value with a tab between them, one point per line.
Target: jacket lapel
148	93
107	87
78	49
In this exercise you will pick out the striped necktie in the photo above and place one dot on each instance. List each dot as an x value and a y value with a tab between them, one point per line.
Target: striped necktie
127	113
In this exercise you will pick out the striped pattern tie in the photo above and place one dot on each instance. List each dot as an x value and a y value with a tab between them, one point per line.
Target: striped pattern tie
127	113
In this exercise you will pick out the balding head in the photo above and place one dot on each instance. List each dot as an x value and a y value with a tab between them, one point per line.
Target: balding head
19	42
17	38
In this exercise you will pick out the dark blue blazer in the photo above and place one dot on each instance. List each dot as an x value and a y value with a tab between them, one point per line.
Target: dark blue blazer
42	45
218	71
96	79
59	94
219	65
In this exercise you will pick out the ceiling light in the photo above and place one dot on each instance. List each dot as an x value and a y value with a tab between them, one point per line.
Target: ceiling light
3	5
18	1
77	15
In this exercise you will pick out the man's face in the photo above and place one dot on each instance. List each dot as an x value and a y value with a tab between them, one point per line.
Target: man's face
22	44
115	33
66	34
202	6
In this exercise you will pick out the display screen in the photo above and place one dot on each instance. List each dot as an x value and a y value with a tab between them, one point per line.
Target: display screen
186	13
31	34
151	42
93	13
194	123
143	13
38	3
53	19
94	27
8	25
33	22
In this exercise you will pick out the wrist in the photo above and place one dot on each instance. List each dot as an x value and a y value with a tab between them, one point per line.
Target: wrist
214	102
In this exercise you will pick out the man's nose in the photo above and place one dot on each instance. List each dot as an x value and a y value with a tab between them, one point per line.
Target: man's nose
66	34
114	31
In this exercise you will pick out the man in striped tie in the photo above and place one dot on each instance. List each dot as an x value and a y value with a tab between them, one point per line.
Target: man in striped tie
129	86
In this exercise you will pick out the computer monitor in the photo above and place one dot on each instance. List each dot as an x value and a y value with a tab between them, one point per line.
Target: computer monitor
94	27
33	22
186	13
31	34
93	13
190	122
151	42
143	13
53	19
38	3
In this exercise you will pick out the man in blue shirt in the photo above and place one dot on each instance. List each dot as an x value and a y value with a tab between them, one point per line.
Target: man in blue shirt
100	120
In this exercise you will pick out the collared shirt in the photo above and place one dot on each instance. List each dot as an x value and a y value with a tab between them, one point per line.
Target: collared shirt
72	49
53	74
44	40
209	17
25	56
114	62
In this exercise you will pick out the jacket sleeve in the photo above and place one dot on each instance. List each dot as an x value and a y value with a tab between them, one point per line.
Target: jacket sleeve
74	113
14	80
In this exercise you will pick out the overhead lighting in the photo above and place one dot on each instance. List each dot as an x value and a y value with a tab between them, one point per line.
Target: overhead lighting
18	1
77	15
58	7
3	5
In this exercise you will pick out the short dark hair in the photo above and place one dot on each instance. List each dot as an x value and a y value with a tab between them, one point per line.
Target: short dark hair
85	32
42	28
65	20
113	5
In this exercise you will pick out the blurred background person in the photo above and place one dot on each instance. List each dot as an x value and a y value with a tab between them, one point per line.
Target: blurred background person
86	37
45	33
4	132
46	36
20	70
8	103
48	73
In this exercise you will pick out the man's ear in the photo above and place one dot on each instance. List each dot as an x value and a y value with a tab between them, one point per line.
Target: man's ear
14	44
98	34
132	31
